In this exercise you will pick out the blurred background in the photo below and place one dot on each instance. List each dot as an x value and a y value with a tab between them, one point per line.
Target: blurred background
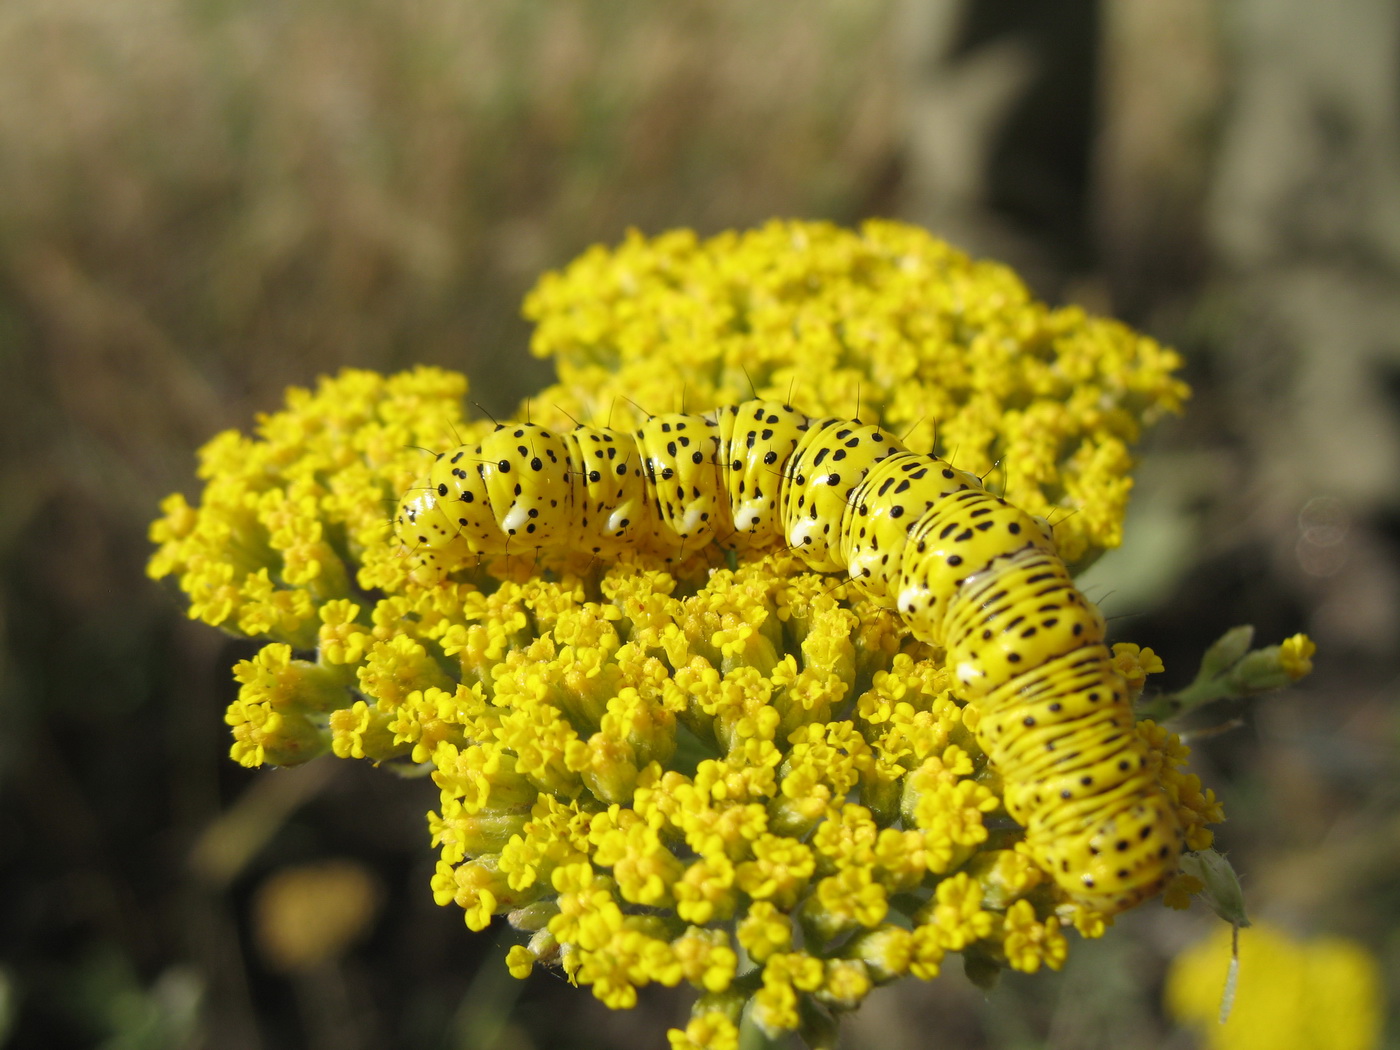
202	201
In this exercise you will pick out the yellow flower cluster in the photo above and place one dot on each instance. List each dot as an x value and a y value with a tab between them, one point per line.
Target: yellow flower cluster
888	322
724	772
287	514
1321	994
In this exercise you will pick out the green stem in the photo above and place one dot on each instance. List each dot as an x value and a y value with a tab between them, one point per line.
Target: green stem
1199	693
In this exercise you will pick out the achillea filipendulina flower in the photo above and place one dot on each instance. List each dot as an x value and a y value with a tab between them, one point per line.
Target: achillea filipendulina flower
1319	994
1044	403
723	769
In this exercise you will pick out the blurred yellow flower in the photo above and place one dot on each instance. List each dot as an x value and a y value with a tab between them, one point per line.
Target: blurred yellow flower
308	915
1319	994
1295	654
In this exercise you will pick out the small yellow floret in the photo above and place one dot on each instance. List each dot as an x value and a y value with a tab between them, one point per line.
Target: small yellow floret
1295	654
711	1030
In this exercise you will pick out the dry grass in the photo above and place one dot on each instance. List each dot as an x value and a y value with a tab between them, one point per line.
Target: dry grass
202	201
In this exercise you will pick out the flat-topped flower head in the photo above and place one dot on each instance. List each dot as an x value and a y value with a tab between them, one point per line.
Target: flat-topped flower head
713	767
888	323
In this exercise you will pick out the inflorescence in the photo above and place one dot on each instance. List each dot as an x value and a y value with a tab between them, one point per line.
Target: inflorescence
729	772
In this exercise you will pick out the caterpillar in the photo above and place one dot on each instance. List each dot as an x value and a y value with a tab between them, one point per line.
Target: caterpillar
965	570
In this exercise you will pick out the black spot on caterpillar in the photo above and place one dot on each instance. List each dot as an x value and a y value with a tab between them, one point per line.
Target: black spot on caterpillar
964	569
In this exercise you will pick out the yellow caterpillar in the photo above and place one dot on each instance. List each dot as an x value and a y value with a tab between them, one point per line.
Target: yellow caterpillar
966	571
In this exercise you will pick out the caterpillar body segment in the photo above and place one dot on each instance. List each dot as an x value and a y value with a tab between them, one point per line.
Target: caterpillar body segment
680	456
757	440
1028	649
528	484
610	499
1027	610
895	495
965	570
820	480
